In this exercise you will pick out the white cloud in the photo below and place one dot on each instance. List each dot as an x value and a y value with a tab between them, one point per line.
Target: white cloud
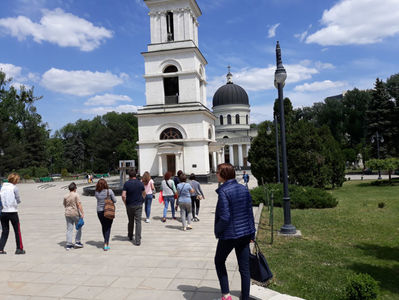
272	30
260	113
11	70
58	27
303	35
320	86
107	99
105	109
79	83
357	22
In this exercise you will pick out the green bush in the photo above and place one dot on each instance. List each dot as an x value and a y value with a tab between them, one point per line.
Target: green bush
32	172
361	287
64	173
301	197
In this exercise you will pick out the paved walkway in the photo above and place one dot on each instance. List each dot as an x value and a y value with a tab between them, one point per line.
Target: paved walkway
169	264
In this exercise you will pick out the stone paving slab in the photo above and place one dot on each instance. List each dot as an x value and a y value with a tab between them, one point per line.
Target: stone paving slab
169	264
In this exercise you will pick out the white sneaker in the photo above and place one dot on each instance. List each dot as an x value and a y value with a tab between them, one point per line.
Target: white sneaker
147	220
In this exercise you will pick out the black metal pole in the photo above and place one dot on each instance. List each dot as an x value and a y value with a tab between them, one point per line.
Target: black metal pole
378	153
277	149
287	228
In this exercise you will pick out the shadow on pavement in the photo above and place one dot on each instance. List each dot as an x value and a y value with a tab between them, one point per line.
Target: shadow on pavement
120	238
177	227
62	244
98	244
204	292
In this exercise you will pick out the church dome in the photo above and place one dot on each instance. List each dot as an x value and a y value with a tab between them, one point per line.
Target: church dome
230	93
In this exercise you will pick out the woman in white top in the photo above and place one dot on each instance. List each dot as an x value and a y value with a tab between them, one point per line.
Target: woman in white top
9	197
149	190
168	192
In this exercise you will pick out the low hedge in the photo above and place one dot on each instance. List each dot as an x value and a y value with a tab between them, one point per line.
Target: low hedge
301	196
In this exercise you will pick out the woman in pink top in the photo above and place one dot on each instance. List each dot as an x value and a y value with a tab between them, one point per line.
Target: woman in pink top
149	190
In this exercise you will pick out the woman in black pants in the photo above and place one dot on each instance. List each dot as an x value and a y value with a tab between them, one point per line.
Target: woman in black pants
9	197
102	191
234	227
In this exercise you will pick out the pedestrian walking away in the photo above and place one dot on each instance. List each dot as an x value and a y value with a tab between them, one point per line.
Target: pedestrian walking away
73	211
234	229
245	178
133	195
168	191
184	190
150	194
9	197
104	192
196	197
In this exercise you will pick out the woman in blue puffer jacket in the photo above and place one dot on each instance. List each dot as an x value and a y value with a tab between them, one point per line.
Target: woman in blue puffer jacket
234	227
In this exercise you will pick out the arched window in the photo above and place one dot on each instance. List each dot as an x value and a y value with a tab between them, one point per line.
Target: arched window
171	86
247	119
229	119
221	120
171	134
210	133
171	69
237	119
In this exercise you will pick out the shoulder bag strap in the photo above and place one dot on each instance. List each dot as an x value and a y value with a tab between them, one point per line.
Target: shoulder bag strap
166	181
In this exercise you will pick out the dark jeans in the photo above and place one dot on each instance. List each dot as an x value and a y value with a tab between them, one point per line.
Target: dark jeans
105	226
147	203
195	205
6	218
241	246
134	215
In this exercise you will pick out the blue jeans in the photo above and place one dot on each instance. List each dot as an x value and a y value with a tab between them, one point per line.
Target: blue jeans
168	199
241	246
147	204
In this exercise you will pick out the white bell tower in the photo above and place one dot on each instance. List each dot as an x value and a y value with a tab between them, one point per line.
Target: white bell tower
176	128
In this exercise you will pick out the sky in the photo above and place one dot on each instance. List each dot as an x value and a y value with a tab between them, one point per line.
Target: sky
84	57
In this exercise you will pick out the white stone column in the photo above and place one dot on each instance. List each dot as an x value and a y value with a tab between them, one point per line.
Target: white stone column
164	31
231	154
220	157
214	161
177	162
240	157
248	147
160	165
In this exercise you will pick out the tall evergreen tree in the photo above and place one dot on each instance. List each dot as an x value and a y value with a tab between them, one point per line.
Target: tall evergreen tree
379	118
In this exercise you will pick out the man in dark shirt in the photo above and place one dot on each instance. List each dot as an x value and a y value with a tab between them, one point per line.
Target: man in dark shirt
133	195
176	179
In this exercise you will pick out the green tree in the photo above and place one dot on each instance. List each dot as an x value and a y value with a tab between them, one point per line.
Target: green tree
314	157
22	133
379	117
388	164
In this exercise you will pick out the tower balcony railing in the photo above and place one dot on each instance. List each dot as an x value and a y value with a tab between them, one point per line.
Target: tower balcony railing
171	99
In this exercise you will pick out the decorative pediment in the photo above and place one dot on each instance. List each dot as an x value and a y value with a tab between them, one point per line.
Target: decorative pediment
170	148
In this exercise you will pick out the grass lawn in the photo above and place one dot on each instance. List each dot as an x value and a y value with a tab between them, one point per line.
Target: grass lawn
356	236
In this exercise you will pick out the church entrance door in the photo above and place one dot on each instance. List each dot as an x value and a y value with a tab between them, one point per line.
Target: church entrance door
171	163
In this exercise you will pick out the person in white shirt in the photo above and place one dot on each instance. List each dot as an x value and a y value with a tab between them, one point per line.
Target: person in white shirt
9	196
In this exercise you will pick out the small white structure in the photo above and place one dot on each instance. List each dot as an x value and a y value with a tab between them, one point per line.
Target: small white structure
232	111
176	129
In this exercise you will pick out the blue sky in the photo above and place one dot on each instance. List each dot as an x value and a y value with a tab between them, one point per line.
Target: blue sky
84	57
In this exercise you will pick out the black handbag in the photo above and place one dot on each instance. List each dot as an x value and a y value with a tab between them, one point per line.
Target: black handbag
258	267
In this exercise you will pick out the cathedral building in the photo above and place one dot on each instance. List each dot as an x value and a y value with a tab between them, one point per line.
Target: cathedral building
176	129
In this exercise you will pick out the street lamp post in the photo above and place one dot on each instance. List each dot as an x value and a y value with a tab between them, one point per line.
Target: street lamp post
377	137
277	148
279	80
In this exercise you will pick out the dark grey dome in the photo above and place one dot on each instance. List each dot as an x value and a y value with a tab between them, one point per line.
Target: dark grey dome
230	93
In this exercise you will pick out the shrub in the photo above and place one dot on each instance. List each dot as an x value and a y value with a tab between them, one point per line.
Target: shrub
381	205
64	173
301	197
361	287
